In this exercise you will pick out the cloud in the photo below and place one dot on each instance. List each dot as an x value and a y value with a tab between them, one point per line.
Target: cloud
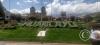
72	7
30	1
1	0
27	10
18	3
14	11
35	1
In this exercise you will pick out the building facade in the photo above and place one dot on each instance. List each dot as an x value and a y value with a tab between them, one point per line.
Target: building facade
2	14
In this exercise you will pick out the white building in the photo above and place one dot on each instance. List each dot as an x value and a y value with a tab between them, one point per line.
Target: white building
7	14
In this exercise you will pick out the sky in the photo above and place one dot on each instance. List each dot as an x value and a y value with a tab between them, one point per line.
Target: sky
53	7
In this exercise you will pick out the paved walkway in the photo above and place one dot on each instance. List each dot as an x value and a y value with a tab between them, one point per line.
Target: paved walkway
33	43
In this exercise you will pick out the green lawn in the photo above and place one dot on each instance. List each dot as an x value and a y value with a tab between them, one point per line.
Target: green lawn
19	34
70	35
66	35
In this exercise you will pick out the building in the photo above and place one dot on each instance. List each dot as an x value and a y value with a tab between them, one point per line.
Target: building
37	15
43	11
2	14
7	15
5	18
32	11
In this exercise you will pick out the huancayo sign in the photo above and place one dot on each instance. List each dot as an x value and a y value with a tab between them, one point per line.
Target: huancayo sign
54	24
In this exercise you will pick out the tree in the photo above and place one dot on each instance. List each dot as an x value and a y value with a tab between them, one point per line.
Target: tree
45	18
97	17
16	17
32	18
88	18
72	18
63	15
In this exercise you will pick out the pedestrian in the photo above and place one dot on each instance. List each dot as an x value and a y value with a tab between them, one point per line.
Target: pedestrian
95	34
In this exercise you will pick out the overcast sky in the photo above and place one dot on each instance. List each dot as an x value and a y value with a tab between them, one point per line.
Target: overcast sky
53	7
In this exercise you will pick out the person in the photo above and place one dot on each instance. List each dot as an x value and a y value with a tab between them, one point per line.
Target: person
95	34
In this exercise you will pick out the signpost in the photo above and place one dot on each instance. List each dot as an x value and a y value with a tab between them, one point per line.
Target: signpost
41	35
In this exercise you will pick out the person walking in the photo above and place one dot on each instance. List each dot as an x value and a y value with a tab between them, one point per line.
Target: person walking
95	34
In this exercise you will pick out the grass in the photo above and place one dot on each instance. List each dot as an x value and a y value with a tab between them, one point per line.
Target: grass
65	35
19	34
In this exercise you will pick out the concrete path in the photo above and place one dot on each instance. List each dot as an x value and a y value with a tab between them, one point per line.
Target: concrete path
33	43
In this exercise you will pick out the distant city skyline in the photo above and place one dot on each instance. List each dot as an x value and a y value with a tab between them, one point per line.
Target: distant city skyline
53	7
